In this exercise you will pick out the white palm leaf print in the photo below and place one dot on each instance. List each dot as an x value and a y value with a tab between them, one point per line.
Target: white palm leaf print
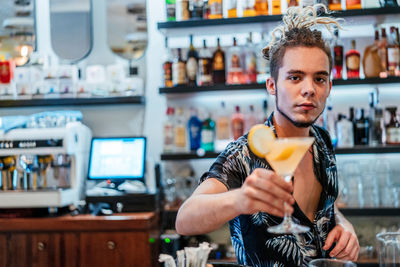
286	245
322	227
237	240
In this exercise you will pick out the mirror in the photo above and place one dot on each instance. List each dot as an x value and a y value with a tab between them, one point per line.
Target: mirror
71	29
127	28
17	30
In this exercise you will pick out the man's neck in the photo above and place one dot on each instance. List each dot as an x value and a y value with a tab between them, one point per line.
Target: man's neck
285	128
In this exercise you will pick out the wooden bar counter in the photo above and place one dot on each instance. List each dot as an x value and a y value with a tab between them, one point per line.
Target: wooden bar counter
123	239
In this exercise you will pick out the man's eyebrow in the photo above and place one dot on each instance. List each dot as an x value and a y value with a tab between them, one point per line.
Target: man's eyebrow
322	72
296	72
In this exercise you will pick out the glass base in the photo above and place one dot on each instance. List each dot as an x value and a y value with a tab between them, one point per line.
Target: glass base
288	227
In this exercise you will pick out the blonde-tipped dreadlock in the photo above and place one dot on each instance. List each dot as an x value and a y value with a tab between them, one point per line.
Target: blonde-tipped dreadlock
296	31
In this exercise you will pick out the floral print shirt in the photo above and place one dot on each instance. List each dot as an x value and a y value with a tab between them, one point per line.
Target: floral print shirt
253	245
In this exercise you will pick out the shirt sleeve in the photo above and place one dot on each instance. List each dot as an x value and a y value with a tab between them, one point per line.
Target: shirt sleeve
230	167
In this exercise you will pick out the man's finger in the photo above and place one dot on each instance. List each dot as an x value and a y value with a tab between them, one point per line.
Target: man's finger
332	237
341	244
354	254
346	252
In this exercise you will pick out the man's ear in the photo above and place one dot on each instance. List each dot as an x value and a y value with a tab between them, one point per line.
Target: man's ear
270	83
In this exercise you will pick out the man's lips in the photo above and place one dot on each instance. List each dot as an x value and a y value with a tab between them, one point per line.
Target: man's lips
306	106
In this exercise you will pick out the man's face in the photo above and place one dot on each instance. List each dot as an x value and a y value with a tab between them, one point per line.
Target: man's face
303	85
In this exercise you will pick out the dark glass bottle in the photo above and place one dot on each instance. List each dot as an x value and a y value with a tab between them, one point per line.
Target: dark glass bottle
192	64
361	129
218	64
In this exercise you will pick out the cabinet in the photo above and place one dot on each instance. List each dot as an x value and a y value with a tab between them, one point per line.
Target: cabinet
84	240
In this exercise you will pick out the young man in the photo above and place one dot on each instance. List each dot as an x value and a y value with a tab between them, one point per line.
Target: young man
242	188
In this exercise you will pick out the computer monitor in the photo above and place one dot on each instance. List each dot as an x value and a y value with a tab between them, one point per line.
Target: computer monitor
117	158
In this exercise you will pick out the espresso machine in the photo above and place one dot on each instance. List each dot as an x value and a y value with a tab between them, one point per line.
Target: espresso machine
43	167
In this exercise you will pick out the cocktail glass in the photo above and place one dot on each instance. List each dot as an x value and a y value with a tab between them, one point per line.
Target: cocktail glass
284	155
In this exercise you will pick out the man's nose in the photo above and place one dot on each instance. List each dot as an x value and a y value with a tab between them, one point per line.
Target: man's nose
308	87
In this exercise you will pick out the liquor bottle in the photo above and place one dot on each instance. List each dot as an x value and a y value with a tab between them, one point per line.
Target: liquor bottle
345	135
274	7
352	119
167	66
218	65
361	130
353	62
194	128
383	53
170	5
249	8
208	134
206	9
389	3
393	53
263	69
335	5
192	63
180	131
223	132
398	43
230	7
237	123
371	59
330	125
205	65
337	57
235	70
251	119
377	124
353	4
179	69
182	10
168	131
250	60
393	128
370	4
196	9
215	9
261	7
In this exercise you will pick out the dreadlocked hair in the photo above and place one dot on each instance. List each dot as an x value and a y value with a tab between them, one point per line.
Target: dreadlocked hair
295	31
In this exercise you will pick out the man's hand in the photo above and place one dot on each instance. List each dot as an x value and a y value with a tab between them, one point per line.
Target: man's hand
347	246
264	190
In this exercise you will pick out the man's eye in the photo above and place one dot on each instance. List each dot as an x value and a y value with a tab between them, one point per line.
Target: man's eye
294	78
320	80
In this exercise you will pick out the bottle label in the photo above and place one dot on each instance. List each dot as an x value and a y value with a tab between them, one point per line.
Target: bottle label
393	135
223	129
393	56
180	137
168	137
238	129
191	67
216	8
207	136
219	63
353	62
382	55
179	73
170	11
167	73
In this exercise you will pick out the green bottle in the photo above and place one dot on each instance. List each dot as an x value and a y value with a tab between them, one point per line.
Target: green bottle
171	14
208	134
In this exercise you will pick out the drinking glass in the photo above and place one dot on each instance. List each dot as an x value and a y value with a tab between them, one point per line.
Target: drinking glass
331	263
284	155
389	249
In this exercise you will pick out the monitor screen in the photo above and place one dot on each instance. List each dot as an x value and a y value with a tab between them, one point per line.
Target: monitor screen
117	158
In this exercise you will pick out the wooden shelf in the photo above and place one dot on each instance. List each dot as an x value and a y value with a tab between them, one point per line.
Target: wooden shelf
18	103
339	151
273	18
182	89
